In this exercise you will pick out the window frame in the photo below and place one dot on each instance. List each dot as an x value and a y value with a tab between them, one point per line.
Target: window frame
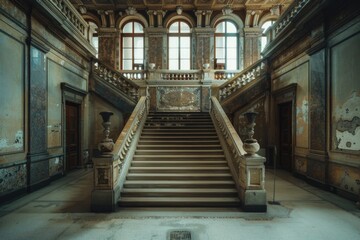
226	35
132	35
179	34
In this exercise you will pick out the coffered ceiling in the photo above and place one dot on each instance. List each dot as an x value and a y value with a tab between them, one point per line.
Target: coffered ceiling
185	4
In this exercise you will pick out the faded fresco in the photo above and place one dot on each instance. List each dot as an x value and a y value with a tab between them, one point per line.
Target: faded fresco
345	177
12	95
346	95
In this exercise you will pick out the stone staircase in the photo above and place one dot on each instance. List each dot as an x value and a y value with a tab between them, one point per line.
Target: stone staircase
179	162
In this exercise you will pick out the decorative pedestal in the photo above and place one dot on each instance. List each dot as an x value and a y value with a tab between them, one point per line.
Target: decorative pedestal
252	172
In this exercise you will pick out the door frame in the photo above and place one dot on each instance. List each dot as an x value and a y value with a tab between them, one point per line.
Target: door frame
75	96
285	95
78	107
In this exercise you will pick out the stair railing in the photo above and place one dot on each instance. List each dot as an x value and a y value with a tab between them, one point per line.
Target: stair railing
110	169
116	79
247	169
246	77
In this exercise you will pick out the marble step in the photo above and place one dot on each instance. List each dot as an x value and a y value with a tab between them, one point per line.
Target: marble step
185	157
177	152
179	176
179	192
148	163
179	146
189	183
179	202
179	169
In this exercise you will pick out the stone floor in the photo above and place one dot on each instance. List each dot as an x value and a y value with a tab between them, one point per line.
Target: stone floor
61	211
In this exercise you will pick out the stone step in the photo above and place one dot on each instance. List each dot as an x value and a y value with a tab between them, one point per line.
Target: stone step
148	163
179	202
178	152
179	176
187	157
175	130
177	127
180	146
179	192
178	134
211	184
203	141
193	138
178	169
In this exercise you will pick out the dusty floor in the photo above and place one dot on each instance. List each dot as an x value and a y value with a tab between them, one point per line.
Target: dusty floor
62	211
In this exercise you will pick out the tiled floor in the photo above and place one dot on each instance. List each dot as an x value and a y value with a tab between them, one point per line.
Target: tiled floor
61	211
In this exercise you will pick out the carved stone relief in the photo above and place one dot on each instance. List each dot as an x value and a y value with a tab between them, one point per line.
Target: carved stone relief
178	99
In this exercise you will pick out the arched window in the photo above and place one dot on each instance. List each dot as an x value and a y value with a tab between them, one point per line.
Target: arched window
179	46
132	46
226	45
265	27
93	36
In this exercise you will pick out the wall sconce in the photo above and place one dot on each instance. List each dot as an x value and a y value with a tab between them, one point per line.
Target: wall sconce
227	10
179	10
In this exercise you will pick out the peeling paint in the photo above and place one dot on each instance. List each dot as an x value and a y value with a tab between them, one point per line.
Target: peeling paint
16	144
347	120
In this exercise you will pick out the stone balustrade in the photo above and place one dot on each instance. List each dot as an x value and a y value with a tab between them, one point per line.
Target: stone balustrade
110	168
116	80
71	14
248	169
135	75
248	75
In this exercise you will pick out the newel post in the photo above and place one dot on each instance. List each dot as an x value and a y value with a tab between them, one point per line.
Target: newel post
252	171
103	197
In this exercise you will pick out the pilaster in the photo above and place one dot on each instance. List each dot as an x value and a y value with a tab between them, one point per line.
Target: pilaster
204	52
108	41
156	48
252	46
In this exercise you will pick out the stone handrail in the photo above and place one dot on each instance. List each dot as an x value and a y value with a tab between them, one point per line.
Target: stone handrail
135	75
248	169
110	169
116	79
71	14
287	17
245	77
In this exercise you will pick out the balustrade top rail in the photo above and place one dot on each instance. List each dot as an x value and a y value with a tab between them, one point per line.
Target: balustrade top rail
116	79
287	17
246	76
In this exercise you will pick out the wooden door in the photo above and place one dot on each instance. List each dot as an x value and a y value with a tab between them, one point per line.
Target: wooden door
285	136
72	136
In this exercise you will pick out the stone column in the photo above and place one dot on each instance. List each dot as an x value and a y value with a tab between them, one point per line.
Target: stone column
252	46
204	44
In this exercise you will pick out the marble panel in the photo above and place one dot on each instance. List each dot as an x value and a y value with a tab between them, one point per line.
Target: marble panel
316	170
179	99
300	165
39	171
11	95
345	91
317	102
8	7
344	177
56	166
12	178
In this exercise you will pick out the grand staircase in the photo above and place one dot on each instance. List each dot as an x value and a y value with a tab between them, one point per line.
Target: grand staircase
179	162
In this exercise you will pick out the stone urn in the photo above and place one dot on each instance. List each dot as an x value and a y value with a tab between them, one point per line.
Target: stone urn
107	144
152	66
251	146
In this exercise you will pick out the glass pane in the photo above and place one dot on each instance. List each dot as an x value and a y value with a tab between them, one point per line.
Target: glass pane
185	65
173	53
174	28
127	42
139	61
127	65
231	28
184	28
128	28
127	53
220	42
220	28
231	42
266	25
173	64
138	42
185	53
173	42
231	64
185	42
138	28
95	42
263	43
231	53
220	53
138	53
